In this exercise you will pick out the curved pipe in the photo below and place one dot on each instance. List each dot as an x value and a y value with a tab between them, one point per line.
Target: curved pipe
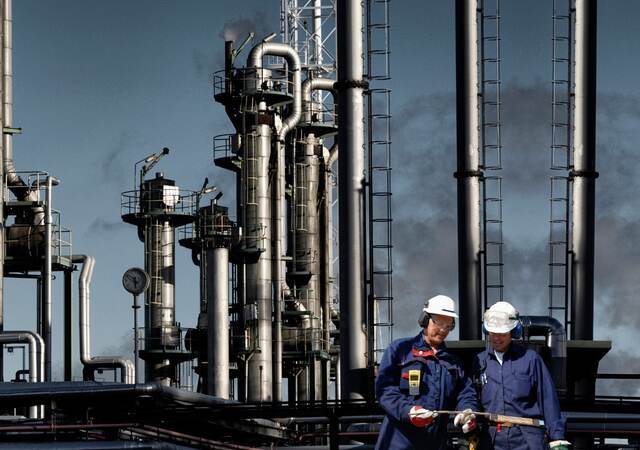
36	357
127	371
315	84
254	60
555	339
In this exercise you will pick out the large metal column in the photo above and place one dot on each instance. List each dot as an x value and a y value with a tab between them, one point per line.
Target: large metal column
258	277
68	325
2	181
353	339
47	280
468	173
584	171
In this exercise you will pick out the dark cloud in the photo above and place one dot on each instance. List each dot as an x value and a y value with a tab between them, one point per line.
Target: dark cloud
101	226
113	165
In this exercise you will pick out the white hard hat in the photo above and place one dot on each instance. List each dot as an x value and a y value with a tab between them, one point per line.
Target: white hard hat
441	304
501	317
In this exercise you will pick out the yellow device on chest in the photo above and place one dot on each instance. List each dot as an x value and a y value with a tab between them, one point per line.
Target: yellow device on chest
414	382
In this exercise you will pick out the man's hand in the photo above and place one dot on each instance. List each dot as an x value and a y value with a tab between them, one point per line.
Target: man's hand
421	417
559	445
465	420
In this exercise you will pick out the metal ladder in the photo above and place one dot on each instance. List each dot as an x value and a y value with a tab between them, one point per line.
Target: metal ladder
379	232
561	141
491	155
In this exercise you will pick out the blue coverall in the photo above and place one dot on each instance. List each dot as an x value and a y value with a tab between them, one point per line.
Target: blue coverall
521	386
443	385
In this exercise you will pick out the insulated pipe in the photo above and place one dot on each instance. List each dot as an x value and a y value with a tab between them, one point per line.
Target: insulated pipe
2	198
314	84
468	171
555	339
218	321
584	172
254	61
48	275
36	358
127	373
351	85
14	182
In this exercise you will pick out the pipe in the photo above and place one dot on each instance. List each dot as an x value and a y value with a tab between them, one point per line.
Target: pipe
218	322
254	60
2	201
47	275
14	182
468	171
584	172
315	84
351	85
555	339
127	372
36	358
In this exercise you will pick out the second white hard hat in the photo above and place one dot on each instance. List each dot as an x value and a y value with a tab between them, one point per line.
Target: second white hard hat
501	317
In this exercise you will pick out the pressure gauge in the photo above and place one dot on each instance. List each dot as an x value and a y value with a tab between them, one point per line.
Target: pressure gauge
135	280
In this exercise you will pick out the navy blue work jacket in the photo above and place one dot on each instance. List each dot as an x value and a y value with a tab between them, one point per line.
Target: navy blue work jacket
443	385
521	386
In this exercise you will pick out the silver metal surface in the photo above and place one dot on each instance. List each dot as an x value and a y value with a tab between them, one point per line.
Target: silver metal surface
48	279
353	340
160	329
314	84
36	359
584	166
468	167
126	366
217	262
254	60
258	276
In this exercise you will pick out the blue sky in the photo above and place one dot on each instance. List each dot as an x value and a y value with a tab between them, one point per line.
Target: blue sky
99	85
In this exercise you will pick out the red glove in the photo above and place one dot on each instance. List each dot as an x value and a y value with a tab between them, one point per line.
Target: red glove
421	417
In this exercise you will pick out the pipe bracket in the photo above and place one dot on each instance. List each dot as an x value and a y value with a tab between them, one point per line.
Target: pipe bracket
468	174
584	174
350	84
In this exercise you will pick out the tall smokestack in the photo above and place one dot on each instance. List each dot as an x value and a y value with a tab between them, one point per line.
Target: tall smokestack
584	171
468	173
353	340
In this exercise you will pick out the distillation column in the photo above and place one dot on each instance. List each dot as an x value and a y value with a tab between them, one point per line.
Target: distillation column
468	173
159	210
351	85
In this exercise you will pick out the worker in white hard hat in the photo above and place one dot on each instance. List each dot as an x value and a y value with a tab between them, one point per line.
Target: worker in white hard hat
418	376
514	381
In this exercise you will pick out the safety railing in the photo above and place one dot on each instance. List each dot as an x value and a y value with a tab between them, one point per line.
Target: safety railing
164	200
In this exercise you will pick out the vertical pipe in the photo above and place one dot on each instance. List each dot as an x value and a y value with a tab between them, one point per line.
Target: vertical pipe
278	268
68	325
317	32
353	340
468	173
584	171
218	322
47	274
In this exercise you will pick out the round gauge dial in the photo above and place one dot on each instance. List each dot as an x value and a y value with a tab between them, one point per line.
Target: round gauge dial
135	280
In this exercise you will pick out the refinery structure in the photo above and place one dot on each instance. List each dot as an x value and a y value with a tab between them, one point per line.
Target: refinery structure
295	265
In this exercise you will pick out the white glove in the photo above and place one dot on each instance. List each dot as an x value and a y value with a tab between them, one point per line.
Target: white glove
421	417
559	445
466	420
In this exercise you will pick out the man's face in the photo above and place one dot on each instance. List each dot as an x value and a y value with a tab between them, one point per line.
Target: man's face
500	341
438	329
